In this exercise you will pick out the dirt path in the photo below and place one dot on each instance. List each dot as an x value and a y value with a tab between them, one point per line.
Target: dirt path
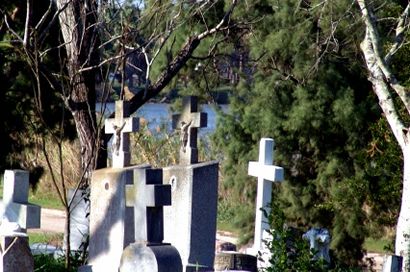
54	220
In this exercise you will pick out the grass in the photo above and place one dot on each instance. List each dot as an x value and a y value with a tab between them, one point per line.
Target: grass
377	245
55	239
45	200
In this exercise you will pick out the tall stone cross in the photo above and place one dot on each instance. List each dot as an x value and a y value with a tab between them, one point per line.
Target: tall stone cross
148	196
15	201
121	126
266	173
188	123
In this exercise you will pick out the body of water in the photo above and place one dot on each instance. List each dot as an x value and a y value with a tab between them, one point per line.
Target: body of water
157	114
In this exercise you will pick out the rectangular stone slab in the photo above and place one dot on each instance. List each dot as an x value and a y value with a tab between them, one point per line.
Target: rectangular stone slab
190	222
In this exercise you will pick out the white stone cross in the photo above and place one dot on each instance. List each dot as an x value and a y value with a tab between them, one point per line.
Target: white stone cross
188	123
121	126
266	173
15	207
148	196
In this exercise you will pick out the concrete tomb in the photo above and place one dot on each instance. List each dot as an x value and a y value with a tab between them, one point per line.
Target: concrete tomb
148	196
111	222
190	223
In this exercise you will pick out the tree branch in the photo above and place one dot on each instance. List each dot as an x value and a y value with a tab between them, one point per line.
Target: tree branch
402	25
178	62
377	78
372	36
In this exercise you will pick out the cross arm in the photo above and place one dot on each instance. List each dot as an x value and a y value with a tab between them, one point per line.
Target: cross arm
268	172
131	124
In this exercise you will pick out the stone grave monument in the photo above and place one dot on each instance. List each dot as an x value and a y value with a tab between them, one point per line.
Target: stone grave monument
111	222
393	263
266	173
190	223
148	196
15	206
79	220
319	241
17	215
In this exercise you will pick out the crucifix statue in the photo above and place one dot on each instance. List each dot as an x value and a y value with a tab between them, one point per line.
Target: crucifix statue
188	123
120	127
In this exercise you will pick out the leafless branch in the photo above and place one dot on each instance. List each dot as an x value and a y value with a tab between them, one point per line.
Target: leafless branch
402	25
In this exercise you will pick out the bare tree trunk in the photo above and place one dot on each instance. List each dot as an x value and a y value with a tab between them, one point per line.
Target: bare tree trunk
386	86
78	27
402	245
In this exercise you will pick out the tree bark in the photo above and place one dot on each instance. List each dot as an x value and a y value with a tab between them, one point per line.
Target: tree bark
385	85
78	21
403	225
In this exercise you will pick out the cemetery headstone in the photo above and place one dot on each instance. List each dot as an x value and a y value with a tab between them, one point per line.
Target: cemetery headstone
319	241
148	196
15	254
266	173
235	261
15	206
111	222
17	216
79	219
393	264
190	223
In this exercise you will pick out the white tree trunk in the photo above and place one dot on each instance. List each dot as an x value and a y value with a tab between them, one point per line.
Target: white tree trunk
384	85
403	225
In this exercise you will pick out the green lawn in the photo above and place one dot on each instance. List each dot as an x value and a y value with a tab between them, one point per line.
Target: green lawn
55	239
49	201
376	245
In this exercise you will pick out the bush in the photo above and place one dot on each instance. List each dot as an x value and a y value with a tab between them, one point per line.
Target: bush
289	252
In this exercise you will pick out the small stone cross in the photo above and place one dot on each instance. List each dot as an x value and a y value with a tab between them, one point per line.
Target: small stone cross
15	201
148	196
188	123
121	126
266	173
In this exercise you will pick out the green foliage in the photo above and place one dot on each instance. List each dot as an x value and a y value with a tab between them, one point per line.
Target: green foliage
290	252
308	93
47	263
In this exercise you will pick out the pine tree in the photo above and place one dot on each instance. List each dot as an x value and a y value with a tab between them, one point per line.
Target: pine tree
307	92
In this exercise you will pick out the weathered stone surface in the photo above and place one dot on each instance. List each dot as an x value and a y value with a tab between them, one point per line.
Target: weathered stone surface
234	261
15	206
148	196
120	127
111	222
79	219
393	264
190	223
188	123
18	256
142	258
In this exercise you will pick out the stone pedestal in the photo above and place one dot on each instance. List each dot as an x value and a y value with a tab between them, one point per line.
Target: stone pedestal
190	223
393	264
152	258
15	254
111	222
235	261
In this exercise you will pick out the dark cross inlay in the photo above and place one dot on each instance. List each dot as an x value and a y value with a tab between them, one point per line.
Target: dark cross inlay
121	126
188	123
148	196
